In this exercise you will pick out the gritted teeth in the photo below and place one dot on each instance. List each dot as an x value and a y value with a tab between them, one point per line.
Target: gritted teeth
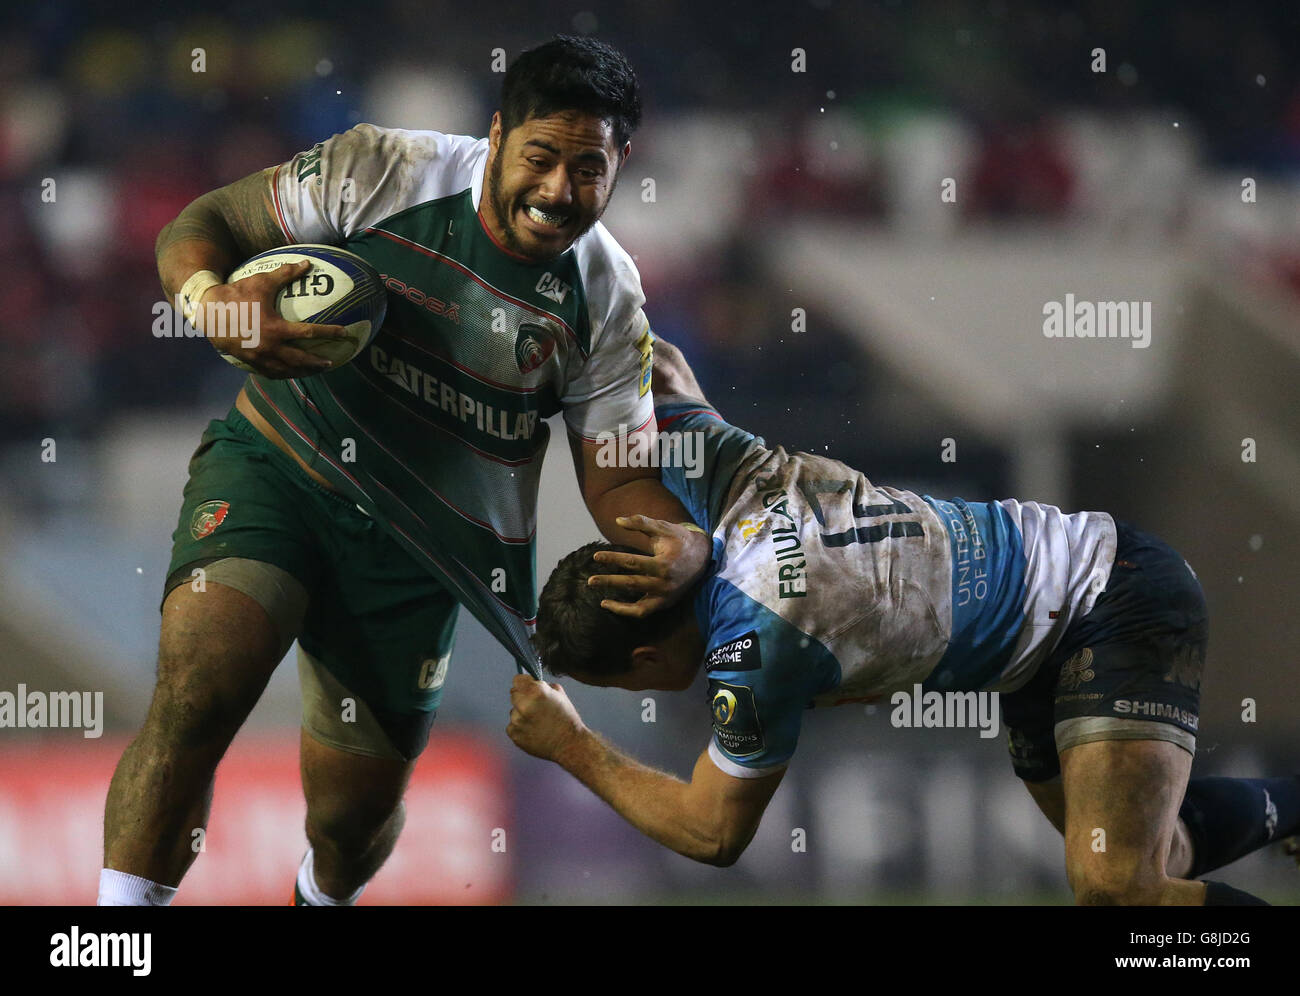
546	218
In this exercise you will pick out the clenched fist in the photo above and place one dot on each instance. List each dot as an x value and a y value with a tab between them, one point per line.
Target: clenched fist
542	719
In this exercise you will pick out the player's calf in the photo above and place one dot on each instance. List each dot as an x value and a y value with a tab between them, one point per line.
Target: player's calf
1121	807
216	653
355	814
345	856
1050	798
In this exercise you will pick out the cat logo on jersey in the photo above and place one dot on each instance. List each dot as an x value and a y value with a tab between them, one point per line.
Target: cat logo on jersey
551	286
1077	670
533	346
207	517
646	346
433	672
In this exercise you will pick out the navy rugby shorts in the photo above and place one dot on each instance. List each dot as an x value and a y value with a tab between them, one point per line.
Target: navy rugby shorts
1128	670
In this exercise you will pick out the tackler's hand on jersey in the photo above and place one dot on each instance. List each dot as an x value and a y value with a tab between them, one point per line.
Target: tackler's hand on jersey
677	555
253	330
542	719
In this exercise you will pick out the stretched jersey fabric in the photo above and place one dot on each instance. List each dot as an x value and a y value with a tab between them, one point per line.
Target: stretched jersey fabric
436	430
827	588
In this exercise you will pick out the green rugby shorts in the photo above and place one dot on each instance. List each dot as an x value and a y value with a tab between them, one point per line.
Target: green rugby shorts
373	625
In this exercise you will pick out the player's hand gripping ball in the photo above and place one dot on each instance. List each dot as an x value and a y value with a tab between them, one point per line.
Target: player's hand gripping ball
339	289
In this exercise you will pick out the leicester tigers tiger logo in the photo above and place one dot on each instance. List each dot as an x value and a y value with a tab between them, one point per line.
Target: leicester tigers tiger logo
207	517
533	347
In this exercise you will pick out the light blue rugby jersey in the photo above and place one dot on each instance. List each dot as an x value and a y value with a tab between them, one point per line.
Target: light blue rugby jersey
829	589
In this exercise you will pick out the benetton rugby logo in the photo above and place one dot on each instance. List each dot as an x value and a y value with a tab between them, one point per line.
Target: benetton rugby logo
533	347
207	517
1077	670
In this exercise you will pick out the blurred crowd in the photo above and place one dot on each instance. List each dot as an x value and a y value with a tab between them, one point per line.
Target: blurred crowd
108	128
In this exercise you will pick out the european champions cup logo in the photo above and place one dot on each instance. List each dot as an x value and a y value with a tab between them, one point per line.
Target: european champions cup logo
724	707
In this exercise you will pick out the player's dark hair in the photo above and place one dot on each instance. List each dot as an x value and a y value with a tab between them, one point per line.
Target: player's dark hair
574	634
572	74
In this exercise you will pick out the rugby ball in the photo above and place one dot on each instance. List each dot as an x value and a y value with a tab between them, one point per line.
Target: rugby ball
341	288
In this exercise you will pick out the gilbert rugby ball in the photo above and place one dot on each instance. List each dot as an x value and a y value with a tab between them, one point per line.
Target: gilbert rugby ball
341	288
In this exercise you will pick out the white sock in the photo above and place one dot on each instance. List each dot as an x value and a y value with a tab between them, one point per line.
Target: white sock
312	892
120	889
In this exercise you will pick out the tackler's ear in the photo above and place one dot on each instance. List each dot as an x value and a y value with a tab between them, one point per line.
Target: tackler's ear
646	658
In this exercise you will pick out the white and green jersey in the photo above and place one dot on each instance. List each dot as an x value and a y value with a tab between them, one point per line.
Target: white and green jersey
437	429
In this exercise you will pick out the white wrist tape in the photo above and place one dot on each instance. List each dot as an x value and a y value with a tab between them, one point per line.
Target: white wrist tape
194	289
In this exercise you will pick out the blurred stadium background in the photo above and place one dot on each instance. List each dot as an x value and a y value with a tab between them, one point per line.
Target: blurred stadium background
774	190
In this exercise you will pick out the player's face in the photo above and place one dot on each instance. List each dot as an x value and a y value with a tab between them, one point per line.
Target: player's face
548	181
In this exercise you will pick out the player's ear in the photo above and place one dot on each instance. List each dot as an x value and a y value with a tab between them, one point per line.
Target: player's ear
646	660
622	156
494	133
645	656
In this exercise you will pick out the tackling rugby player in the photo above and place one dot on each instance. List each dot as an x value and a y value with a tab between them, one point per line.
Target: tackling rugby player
826	588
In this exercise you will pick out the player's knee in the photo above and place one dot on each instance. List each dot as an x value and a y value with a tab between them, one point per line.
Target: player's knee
179	719
190	709
352	829
1117	882
1118	894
